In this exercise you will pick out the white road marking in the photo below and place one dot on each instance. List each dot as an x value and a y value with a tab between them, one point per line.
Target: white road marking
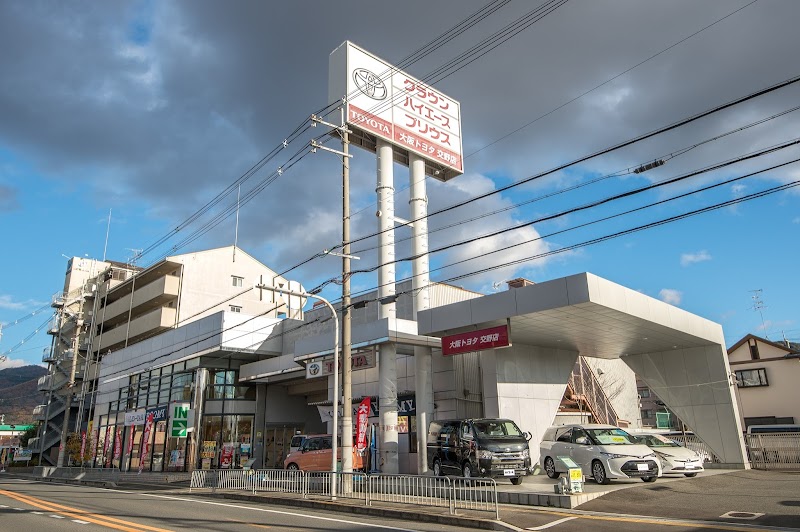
279	512
80	522
19	509
57	516
3	506
741	515
552	523
37	513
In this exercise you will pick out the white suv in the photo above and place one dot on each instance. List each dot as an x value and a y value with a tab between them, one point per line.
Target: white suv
602	451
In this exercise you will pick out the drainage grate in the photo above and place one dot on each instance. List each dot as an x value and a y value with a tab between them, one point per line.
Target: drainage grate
741	515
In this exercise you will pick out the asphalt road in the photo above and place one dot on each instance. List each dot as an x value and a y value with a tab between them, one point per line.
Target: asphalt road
29	505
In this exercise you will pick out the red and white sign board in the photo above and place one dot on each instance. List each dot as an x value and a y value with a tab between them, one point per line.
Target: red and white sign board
388	103
481	340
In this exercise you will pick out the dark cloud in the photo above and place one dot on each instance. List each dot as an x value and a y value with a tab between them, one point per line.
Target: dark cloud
165	104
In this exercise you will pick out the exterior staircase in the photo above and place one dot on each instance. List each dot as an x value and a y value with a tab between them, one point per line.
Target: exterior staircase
585	394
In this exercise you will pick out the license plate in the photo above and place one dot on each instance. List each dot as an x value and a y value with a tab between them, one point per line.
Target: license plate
642	467
508	473
689	466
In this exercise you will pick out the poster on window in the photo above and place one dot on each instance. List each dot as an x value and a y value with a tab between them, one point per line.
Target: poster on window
362	421
226	459
148	427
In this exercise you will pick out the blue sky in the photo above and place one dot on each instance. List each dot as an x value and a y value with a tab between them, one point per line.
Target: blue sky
151	109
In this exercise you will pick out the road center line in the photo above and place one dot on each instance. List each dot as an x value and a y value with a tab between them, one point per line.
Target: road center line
78	514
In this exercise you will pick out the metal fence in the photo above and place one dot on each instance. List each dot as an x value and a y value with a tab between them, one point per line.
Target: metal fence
478	494
780	450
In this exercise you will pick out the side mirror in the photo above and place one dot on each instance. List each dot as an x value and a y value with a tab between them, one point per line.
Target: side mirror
527	436
583	440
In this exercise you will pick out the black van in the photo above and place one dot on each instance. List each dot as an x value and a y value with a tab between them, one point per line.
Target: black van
494	448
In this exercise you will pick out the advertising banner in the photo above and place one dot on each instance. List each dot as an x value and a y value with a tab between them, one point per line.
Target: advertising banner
95	437
226	459
106	443
491	338
362	422
118	445
129	450
148	427
159	413
83	445
23	455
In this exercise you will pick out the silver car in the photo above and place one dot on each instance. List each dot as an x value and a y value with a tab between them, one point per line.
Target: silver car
673	457
602	452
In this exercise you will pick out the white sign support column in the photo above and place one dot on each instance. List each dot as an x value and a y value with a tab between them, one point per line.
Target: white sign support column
420	268
387	361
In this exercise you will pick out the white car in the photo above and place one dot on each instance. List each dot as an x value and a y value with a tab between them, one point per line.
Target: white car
602	452
674	458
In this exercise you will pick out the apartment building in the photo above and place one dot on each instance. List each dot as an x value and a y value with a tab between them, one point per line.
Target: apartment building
107	306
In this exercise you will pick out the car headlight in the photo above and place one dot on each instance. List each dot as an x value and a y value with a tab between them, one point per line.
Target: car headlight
614	455
526	453
485	455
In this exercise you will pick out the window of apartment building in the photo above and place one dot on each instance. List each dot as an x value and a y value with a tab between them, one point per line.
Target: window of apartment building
748	378
647	414
644	393
235	308
237	281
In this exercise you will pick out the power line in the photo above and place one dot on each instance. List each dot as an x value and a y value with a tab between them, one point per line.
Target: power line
615	147
618	173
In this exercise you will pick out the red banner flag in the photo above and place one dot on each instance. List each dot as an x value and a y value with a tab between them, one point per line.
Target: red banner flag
106	446
83	445
362	422
118	445
148	426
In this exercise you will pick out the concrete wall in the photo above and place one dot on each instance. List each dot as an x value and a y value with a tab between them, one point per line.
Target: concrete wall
526	383
695	384
619	384
207	281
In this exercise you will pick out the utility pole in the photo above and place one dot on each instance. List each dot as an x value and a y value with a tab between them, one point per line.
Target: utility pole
347	369
758	305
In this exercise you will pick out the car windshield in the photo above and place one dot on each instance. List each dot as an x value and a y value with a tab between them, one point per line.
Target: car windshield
611	437
497	428
656	440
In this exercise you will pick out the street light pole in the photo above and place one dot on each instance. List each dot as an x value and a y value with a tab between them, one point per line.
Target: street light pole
334	443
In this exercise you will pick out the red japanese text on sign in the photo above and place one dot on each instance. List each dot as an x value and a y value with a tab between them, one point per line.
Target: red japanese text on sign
467	342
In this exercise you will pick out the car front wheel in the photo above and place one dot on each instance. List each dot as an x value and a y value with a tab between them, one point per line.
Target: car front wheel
550	468
599	473
516	480
649	479
292	467
437	468
690	474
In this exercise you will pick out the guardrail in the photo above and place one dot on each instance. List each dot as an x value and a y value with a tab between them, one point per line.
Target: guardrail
780	450
477	494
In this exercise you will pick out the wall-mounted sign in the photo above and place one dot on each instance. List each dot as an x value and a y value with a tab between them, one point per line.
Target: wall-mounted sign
135	418
491	338
180	419
383	101
159	413
324	367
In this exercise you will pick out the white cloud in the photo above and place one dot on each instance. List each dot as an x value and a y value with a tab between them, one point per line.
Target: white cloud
796	220
671	296
13	363
738	189
691	258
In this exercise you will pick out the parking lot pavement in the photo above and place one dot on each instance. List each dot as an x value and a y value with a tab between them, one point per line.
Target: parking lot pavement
758	498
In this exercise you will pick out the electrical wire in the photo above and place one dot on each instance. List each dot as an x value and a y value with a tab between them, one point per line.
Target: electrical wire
627	171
